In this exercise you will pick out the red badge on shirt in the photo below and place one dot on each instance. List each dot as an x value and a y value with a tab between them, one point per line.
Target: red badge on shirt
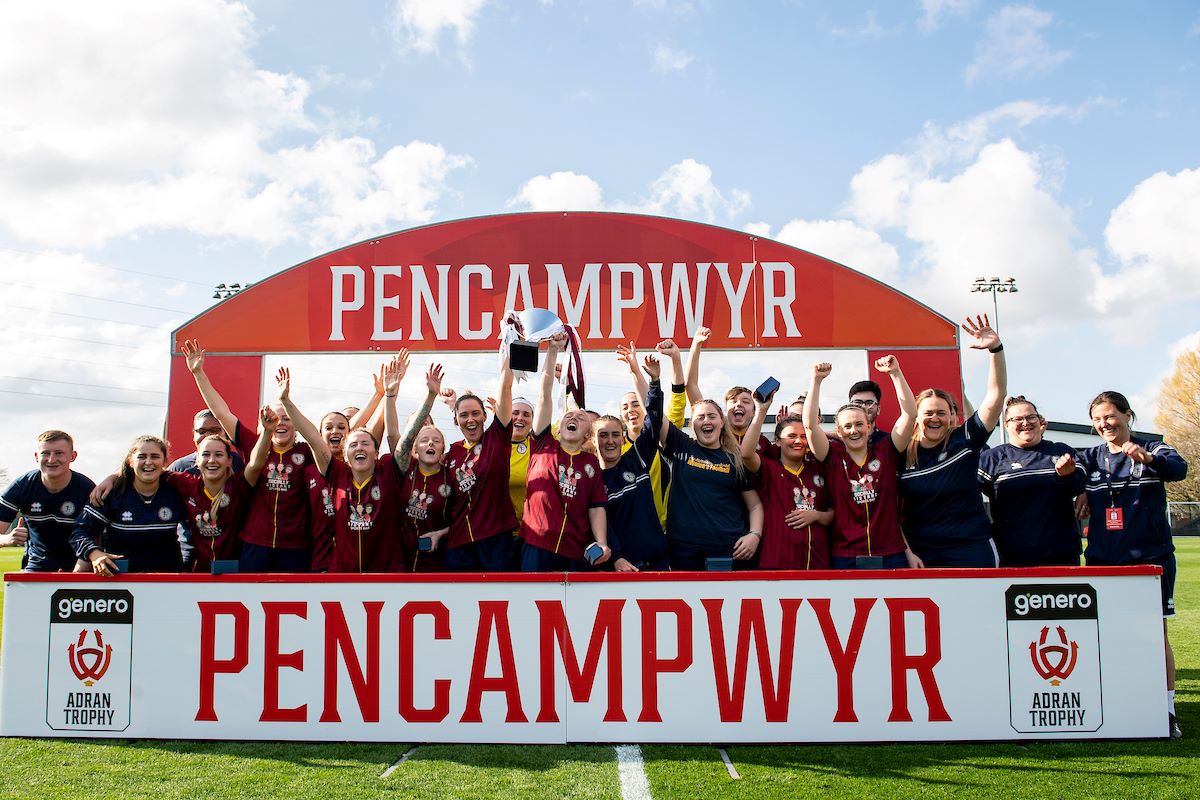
1114	519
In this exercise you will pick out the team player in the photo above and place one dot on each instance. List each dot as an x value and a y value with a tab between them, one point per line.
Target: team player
218	500
797	512
1127	501
564	499
1032	484
635	530
712	512
633	412
50	500
203	424
861	476
483	521
138	520
944	518
739	400
277	536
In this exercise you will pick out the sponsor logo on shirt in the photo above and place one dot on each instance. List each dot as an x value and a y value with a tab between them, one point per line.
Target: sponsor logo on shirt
362	517
704	463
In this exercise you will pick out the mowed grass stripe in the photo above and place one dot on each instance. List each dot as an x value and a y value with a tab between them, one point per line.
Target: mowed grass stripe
121	769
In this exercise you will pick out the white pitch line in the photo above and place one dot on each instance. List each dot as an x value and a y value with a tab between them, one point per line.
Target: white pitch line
634	783
733	773
396	766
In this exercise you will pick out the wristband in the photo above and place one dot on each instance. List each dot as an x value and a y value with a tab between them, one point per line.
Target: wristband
997	348
755	533
678	388
385	394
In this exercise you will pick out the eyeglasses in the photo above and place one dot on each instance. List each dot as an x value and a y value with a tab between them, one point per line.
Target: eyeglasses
864	403
209	431
1028	419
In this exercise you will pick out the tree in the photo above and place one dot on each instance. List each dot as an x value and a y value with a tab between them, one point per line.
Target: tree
1178	419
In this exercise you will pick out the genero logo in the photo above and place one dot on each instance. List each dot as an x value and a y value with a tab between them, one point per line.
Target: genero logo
1053	658
90	660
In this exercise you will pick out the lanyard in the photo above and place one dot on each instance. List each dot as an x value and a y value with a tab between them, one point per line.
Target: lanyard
1115	493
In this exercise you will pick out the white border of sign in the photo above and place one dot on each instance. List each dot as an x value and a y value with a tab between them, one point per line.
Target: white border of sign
932	655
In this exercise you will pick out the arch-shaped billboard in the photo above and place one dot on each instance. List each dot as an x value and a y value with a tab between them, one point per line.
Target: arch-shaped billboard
617	277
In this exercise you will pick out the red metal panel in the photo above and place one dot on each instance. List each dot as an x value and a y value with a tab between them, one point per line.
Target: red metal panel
237	378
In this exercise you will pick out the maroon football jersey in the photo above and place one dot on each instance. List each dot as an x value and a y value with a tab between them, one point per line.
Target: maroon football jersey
367	517
561	489
428	500
279	506
320	506
214	539
480	477
782	491
866	502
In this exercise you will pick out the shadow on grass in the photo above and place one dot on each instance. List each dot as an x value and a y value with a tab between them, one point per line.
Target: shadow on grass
328	755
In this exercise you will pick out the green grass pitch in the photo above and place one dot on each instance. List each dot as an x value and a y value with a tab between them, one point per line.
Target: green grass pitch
94	769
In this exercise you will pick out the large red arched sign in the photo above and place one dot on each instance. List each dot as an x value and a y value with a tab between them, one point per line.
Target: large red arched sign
617	277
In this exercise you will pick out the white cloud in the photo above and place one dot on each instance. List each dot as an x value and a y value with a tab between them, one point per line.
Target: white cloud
845	242
685	190
418	24
934	12
670	59
559	191
757	228
1155	238
107	132
1014	46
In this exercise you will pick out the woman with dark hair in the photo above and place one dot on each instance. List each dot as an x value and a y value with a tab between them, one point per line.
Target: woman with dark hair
1127	501
861	471
483	522
712	511
139	518
943	514
1032	484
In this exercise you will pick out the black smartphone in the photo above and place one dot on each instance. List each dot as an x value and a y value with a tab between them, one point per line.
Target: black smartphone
769	387
523	356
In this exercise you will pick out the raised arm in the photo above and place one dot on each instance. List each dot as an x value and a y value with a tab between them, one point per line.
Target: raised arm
390	376
303	424
267	420
693	365
545	405
750	440
818	442
367	412
433	386
504	399
193	354
677	409
628	356
902	431
987	339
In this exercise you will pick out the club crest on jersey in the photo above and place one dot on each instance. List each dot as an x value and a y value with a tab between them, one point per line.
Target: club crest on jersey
224	500
1136	470
375	495
818	481
297	458
68	509
589	470
444	490
874	465
628	476
164	514
522	448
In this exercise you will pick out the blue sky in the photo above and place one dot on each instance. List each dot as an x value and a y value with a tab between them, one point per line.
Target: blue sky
148	152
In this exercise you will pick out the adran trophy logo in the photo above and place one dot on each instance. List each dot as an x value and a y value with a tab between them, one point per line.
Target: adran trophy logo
1054	662
89	663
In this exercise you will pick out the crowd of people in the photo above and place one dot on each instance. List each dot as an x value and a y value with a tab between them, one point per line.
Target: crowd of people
366	492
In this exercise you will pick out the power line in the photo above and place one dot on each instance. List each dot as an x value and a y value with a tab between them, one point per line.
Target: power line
73	383
102	299
87	341
41	357
82	316
83	399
